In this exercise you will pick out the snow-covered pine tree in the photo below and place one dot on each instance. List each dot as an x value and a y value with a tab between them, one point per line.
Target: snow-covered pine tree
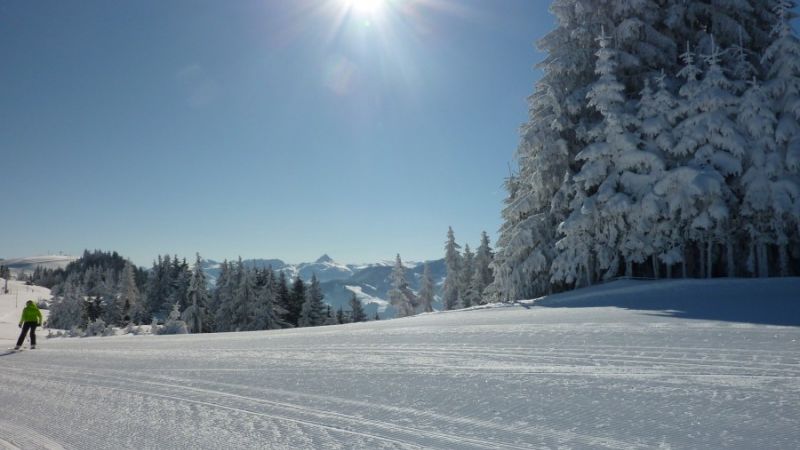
399	295
129	296
267	315
113	308
426	293
67	310
196	314
763	175
222	300
357	313
466	271
174	324
781	61
297	297
599	181
244	299
483	261
711	141
452	260
282	297
313	312
689	216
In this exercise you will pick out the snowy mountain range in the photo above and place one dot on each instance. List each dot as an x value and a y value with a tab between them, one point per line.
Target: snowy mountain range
370	282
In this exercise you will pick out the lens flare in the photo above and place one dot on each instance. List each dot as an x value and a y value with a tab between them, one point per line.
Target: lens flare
366	7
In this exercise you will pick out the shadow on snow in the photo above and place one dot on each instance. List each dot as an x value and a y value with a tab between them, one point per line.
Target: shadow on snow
772	301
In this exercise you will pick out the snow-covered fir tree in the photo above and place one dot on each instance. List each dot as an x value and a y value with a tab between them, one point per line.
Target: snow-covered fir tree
484	256
452	260
357	313
400	296
426	292
465	277
267	315
129	296
313	312
669	143
196	314
67	309
174	324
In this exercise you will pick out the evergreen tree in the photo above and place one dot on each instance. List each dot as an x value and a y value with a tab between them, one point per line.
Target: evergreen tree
452	260
174	324
244	299
223	299
132	311
267	313
426	294
781	61
196	314
483	261
340	317
67	310
465	276
357	313
312	313
282	297
613	173
400	295
297	298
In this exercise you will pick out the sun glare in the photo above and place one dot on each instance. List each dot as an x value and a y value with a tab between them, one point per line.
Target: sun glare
365	7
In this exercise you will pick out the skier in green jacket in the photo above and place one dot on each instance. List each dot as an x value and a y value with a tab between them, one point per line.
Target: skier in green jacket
31	318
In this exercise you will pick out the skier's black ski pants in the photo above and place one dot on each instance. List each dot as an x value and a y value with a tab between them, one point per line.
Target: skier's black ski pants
25	327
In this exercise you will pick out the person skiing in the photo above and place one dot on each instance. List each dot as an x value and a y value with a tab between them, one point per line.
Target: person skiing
31	318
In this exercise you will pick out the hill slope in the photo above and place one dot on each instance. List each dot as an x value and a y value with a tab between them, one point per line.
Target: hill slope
580	370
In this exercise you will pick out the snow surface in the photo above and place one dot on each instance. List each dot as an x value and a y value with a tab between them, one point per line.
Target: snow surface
11	306
625	365
30	263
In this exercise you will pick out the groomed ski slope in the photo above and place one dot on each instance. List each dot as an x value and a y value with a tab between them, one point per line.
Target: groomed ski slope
625	365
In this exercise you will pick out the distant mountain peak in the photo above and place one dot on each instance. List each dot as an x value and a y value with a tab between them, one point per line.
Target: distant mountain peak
324	259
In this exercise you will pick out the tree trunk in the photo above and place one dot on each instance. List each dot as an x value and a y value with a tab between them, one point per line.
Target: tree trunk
731	260
588	270
702	258
655	267
683	265
763	264
709	256
628	268
783	256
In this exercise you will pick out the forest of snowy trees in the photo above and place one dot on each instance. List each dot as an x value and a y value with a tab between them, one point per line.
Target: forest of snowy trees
102	290
663	141
468	277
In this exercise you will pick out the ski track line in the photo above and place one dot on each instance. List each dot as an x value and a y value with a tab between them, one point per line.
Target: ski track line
700	361
73	381
314	411
25	437
397	410
301	410
555	435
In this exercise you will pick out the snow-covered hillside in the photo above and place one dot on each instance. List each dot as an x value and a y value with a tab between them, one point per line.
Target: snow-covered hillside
626	365
30	263
11	305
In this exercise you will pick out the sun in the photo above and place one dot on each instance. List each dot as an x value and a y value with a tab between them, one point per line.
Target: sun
365	7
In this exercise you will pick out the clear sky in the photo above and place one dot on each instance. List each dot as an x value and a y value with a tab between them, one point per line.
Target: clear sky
260	128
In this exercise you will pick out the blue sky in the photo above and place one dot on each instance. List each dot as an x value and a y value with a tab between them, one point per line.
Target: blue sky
270	128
